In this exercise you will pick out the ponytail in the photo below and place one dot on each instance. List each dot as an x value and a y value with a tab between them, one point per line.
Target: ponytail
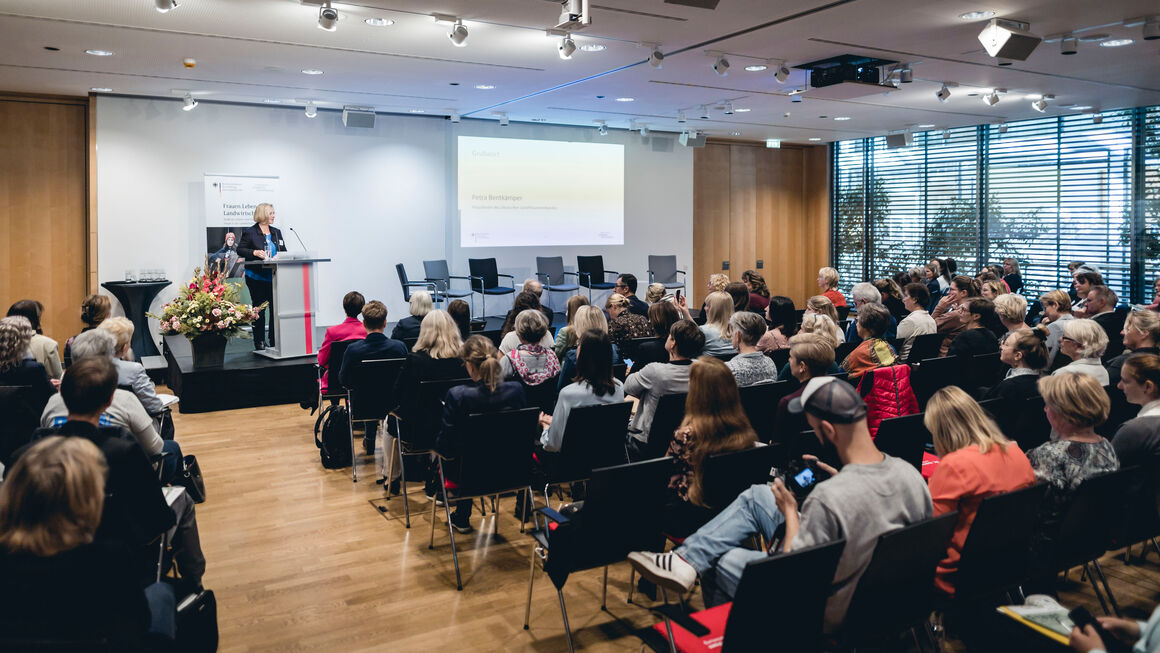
481	353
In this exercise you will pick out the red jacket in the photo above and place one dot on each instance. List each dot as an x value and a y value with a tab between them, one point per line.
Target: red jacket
350	329
888	394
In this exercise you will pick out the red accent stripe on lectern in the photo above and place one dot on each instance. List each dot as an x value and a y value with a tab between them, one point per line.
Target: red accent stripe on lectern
306	304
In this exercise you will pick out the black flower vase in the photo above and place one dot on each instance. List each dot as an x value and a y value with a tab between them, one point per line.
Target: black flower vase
209	350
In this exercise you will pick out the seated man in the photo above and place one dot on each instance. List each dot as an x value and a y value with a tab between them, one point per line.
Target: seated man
873	494
685	343
376	346
135	510
865	294
626	285
1101	307
348	329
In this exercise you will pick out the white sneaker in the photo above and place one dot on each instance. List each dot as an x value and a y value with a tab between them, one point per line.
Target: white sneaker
668	570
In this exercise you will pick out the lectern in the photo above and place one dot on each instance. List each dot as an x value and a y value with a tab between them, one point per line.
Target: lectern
295	306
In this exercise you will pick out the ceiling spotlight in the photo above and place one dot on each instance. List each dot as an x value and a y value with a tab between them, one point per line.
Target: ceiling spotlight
602	128
1068	44
728	108
1116	43
704	112
943	93
1009	39
656	58
328	18
458	34
311	110
1003	128
1040	105
977	15
503	120
1152	28
165	5
567	47
906	75
721	66
795	98
454	117
991	98
188	103
1097	119
782	73
681	117
99	53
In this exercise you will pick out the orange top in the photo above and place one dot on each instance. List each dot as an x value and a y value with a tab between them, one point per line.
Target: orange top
962	480
836	297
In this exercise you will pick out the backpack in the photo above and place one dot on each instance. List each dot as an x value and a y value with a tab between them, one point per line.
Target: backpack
332	437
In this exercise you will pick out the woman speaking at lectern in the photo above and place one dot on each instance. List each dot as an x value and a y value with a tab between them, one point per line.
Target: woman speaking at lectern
261	242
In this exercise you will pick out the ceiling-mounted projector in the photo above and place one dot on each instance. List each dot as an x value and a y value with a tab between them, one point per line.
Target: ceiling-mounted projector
1009	39
574	15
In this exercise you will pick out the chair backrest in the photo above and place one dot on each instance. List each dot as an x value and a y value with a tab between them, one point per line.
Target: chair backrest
403	281
21	417
593	438
924	347
485	268
497	456
372	389
552	267
669	414
807	442
1029	427
425	418
629	348
903	437
981	371
1141	512
410	343
1002	410
620	371
843	312
897	589
726	475
663	268
843	350
760	404
896	343
334	367
1088	525
543	395
931	374
797	623
437	273
779	357
593	265
997	552
494	335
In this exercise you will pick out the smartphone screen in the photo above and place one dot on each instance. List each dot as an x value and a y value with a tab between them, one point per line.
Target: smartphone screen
805	478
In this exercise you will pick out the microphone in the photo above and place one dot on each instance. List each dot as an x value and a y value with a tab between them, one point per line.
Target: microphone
295	232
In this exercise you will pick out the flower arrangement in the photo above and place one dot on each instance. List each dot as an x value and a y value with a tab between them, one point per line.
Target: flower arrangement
207	304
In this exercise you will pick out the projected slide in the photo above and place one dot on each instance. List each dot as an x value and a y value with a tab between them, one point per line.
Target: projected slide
515	192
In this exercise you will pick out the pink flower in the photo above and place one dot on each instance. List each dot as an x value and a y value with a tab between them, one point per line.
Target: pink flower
217	312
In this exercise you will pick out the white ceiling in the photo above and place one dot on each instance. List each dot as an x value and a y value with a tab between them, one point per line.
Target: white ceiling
253	51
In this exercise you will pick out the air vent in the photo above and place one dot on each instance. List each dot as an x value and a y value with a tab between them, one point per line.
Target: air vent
363	117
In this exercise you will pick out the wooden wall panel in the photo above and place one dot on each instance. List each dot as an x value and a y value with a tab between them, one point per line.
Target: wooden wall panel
711	206
745	186
43	207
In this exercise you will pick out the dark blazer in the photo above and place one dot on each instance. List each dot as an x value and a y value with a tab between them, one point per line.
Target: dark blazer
253	239
1112	324
636	305
1024	386
407	327
974	342
375	346
471	399
33	374
1014	281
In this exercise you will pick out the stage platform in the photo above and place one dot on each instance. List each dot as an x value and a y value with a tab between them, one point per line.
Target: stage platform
248	380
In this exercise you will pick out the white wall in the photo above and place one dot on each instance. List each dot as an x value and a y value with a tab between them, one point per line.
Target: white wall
366	198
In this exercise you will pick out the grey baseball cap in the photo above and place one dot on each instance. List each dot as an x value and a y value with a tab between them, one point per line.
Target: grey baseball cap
831	399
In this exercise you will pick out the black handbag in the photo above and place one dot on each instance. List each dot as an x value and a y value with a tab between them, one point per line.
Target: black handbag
191	479
197	626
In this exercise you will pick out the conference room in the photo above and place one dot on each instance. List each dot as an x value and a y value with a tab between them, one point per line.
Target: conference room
475	323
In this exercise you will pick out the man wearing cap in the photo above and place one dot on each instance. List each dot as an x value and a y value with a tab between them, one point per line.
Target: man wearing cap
873	494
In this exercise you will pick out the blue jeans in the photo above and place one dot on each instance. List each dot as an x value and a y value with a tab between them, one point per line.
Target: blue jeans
162	602
715	546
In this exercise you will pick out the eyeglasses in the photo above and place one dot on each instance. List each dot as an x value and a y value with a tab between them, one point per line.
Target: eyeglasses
621	285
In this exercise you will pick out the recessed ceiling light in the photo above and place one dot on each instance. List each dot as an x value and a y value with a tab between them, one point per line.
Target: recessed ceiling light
1032	96
594	47
626	99
539	120
485	87
1080	107
815	138
734	133
1116	43
379	22
756	68
272	101
925	126
840	118
52	48
977	15
742	110
418	111
101	89
312	71
105	53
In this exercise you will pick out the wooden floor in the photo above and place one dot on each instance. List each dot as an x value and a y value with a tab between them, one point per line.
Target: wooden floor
301	559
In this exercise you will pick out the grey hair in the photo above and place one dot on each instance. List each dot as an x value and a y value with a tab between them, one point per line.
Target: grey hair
749	326
95	342
531	325
15	334
866	292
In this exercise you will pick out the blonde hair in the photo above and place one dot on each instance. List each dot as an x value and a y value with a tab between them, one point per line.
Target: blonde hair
718	310
1145	323
718	281
1014	263
15	334
1057	297
1088	335
822	304
616	300
956	421
587	318
1011	307
573	305
821	325
655	293
52	497
1077	398
262	213
421	303
816	350
996	287
830	276
438	336
480	351
122	329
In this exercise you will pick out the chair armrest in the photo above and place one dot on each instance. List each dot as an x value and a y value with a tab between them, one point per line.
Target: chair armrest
553	515
544	275
614	273
575	274
586	275
650	275
420	284
504	275
512	279
452	276
681	272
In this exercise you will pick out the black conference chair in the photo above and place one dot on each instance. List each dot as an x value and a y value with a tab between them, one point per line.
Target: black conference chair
760	404
931	374
436	272
408	285
997	553
669	414
334	388
780	357
593	438
663	269
550	272
903	437
981	371
370	396
925	347
843	350
592	275
620	371
1029	427
629	349
485	280
21	418
727	475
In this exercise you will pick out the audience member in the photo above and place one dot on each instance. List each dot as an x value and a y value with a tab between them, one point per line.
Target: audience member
408	328
1142	637
661	316
1137	442
1084	279
374	346
94	310
975	339
655	293
1084	342
58	582
536	288
949	323
487	393
1025	351
44	350
1141	335
821	324
349	329
131	373
1155	305
828	284
17	367
718	337
717	283
915	298
740	294
915	275
626	287
901	278
944	274
976	461
871	495
783	319
1011	275
992	289
933	276
685	343
524	301
566	335
758	290
810	355
997	270
872	351
820	304
623	324
891	295
594	384
1101	307
865	294
1012	312
530	362
1056	314
587	318
749	366
1071	268
460	311
435	357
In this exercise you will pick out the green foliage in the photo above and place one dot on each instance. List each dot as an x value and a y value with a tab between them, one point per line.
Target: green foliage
208	304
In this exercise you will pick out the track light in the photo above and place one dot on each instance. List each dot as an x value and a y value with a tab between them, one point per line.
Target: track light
1152	28
165	5
728	108
188	103
1097	119
311	110
943	94
454	117
705	112
1003	128
1040	105
681	117
328	18
656	58
721	66
906	75
644	131
503	120
458	34
567	47
782	73
991	98
602	128
1009	39
1068	44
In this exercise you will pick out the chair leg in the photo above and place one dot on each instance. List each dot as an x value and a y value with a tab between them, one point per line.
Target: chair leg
669	625
604	591
1155	546
431	544
1107	588
450	528
353	459
403	483
631	583
531	579
564	613
1096	588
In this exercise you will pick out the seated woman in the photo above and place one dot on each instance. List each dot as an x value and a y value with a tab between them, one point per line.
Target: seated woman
782	317
1011	275
1137	442
409	327
717	283
655	293
891	297
487	393
132	374
977	461
94	310
821	326
714	423
1012	312
821	305
593	385
1056	314
661	317
873	351
624	325
587	319
992	289
566	335
530	363
350	328
740	294
58	583
17	366
460	311
975	339
435	357
1026	352
44	350
525	301
1084	341
1141	335
828	284
718	337
749	366
758	291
